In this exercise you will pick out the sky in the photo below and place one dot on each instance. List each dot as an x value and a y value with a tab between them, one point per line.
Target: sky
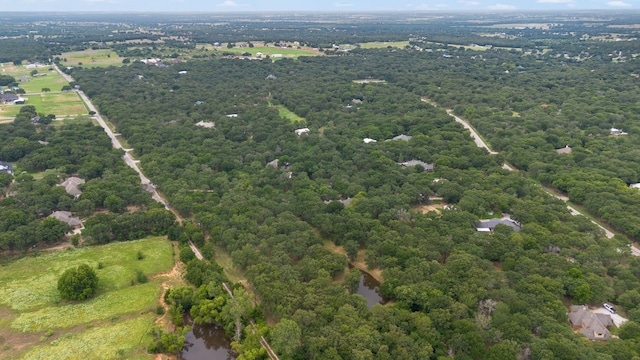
312	5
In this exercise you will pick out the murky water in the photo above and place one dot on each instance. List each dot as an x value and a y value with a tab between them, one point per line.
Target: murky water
369	288
206	342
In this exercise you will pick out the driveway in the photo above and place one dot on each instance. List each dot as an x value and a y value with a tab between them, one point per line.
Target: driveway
617	319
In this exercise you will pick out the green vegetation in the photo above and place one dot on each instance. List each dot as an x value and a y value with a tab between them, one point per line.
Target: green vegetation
112	340
28	288
287	114
78	283
270	51
91	58
286	230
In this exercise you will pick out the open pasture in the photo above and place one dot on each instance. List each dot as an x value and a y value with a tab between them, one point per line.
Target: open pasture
36	322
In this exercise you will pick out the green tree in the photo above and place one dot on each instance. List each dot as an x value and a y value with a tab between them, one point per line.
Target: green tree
286	338
78	283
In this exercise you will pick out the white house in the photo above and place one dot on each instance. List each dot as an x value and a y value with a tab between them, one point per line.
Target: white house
299	132
368	140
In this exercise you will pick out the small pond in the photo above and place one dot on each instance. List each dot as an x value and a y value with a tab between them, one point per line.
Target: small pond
206	342
369	288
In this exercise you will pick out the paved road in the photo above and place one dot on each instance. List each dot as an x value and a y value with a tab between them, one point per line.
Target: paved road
116	144
480	143
474	134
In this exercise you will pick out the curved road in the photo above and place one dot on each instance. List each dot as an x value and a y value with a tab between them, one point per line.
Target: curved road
474	134
481	144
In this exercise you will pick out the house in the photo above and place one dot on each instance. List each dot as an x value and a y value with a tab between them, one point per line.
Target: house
400	137
9	98
617	132
259	54
594	326
634	186
427	167
565	150
71	186
182	72
369	140
206	124
66	217
34	65
302	131
273	164
232	115
271	77
356	101
6	168
489	225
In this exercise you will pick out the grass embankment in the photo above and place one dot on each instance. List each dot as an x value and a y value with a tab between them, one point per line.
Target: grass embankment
37	324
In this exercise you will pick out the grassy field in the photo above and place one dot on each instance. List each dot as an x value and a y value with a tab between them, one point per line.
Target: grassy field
60	104
377	45
288	114
270	51
105	342
37	323
91	58
53	80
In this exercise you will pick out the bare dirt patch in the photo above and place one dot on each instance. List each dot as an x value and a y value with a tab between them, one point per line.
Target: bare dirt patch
428	208
359	262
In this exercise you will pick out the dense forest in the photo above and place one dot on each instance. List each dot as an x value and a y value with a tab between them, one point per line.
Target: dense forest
279	202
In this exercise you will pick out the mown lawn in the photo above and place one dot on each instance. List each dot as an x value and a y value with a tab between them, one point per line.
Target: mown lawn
60	104
91	58
31	306
379	44
53	80
270	51
288	114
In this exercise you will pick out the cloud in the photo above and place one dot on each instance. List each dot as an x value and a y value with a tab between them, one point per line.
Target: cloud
618	3
501	7
555	1
228	3
439	6
469	3
339	4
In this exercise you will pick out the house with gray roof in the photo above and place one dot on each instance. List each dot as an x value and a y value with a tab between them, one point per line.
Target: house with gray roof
71	186
594	326
67	217
6	168
427	167
400	137
9	98
489	225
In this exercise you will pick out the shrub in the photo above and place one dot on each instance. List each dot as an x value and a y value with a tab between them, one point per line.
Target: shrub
78	283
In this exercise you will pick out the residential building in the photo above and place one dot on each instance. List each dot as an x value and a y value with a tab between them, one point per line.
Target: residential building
594	326
489	225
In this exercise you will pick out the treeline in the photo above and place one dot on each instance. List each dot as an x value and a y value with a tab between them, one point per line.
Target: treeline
16	50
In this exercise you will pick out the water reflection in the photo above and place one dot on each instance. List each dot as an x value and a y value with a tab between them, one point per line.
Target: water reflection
369	288
206	342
